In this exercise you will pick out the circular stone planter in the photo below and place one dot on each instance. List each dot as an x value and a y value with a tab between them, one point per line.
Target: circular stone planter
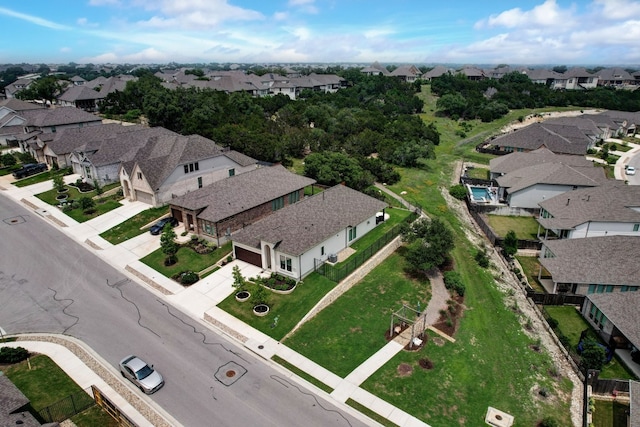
62	197
261	310
242	296
64	190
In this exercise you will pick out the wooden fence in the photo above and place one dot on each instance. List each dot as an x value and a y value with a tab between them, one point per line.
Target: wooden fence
555	299
111	408
609	387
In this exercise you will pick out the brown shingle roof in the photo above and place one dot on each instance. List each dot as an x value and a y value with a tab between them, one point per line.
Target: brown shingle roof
560	139
609	260
305	224
58	116
69	139
518	160
552	173
242	192
18	105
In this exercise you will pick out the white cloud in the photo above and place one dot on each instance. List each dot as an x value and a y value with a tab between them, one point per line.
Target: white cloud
300	2
548	14
617	9
281	16
84	22
65	49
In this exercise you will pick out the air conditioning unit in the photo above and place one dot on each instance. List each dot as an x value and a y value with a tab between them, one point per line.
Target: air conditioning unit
333	258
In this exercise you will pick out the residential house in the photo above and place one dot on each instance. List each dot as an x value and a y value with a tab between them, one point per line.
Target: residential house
579	78
86	96
592	265
621	123
292	240
41	125
436	72
616	77
407	73
14	406
526	187
77	80
606	210
472	73
11	122
615	316
225	206
546	77
12	89
375	69
561	139
502	165
167	166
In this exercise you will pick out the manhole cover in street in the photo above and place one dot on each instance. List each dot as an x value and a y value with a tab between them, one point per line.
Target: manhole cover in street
229	373
15	220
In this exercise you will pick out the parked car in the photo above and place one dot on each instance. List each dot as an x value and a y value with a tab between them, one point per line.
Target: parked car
159	226
630	170
29	169
141	374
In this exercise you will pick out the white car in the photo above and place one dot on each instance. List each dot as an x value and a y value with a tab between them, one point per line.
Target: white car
631	170
138	372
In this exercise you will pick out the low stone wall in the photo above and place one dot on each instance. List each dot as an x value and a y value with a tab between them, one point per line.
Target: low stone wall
224	328
148	280
351	280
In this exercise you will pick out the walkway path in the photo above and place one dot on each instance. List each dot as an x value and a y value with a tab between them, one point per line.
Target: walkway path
200	299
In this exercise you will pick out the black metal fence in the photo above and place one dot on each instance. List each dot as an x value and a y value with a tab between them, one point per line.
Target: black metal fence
498	240
338	272
67	407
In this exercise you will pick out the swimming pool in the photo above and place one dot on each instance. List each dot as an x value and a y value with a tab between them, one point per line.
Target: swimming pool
480	194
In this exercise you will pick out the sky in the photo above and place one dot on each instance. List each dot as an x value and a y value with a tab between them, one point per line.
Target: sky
516	32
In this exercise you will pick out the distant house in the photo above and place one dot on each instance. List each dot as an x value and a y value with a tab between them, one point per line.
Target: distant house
86	95
20	84
436	72
543	178
592	265
502	165
616	77
167	166
230	204
561	139
607	210
407	73
41	125
615	316
11	121
579	78
375	69
472	73
291	240
14	406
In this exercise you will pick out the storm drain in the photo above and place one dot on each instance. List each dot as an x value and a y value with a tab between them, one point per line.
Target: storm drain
229	373
15	220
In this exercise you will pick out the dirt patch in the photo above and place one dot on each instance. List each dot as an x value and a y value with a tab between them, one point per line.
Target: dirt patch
405	370
438	341
425	363
449	320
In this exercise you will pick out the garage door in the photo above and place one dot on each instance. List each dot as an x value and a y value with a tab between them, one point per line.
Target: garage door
144	197
248	256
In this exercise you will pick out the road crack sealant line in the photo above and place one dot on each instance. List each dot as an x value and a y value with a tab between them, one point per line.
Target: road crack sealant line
64	309
204	337
117	286
286	383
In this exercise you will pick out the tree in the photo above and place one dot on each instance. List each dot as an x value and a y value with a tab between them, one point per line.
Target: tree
593	356
452	105
330	168
458	191
510	244
238	280
58	183
87	204
429	244
45	88
168	244
560	69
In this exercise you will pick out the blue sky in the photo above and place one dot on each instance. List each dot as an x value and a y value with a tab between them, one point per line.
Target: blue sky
596	32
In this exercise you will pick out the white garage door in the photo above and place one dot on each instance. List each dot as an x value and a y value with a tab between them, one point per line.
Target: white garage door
144	197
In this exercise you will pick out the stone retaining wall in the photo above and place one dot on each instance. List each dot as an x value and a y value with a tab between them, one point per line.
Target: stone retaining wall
148	280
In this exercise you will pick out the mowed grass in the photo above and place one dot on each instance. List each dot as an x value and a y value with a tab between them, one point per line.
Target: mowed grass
188	260
531	267
396	216
347	332
289	309
610	414
102	205
525	227
134	226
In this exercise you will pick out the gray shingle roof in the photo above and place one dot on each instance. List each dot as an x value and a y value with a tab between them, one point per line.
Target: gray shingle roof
58	116
552	173
11	398
611	202
557	138
609	260
242	192
18	105
305	224
518	160
80	93
634	406
623	310
69	139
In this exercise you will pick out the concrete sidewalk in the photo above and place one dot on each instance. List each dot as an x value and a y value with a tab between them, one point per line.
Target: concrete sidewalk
199	301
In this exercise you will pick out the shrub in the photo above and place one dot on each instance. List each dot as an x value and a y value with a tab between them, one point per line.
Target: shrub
8	159
553	323
189	278
458	191
549	422
482	259
13	355
453	281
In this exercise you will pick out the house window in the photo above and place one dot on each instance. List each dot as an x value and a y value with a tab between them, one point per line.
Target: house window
208	228
191	167
609	288
199	182
294	197
592	311
352	233
636	227
87	170
285	263
139	175
592	289
600	289
232	172
322	250
53	129
277	203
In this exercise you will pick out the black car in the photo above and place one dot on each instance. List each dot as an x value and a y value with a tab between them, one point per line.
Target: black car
159	226
29	169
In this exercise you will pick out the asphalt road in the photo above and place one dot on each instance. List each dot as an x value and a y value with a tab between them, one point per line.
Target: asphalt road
50	283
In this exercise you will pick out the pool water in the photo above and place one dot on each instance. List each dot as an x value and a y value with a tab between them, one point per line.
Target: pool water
478	193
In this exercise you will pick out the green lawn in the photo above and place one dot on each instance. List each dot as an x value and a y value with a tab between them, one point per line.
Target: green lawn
302	374
526	227
35	179
44	384
188	259
396	216
289	309
133	226
353	327
478	173
530	267
610	414
102	206
571	324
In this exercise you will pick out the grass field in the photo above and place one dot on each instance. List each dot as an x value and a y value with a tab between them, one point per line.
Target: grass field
530	267
525	227
133	226
188	259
